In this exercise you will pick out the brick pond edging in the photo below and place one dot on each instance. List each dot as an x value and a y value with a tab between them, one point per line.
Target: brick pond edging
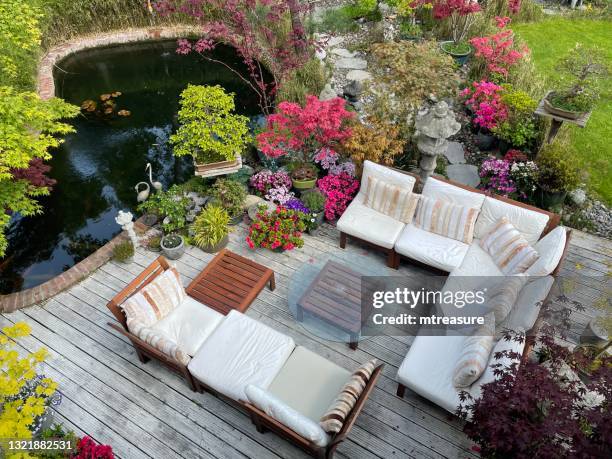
45	82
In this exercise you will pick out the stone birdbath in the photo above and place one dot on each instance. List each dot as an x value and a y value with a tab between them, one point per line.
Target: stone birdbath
434	127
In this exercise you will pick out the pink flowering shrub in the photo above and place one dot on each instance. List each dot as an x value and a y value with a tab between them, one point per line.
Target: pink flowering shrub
339	190
498	50
514	6
484	99
328	160
265	180
302	132
89	449
514	176
281	229
495	177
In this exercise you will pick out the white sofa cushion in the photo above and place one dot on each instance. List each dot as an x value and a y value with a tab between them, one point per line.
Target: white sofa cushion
394	201
477	262
190	324
161	342
429	365
528	304
439	189
364	223
528	222
239	352
475	353
550	248
308	383
286	415
385	174
503	294
430	248
446	219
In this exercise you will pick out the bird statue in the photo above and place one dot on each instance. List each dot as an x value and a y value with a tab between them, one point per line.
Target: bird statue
156	185
144	194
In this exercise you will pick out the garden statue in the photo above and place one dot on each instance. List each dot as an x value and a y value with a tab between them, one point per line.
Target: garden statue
433	128
156	185
124	220
144	194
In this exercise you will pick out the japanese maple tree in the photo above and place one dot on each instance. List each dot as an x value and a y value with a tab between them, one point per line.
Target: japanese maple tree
460	13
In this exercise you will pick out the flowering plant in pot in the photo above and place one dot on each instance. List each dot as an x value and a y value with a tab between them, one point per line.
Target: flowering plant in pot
580	74
211	229
308	217
339	190
483	99
315	202
279	230
460	14
303	176
265	179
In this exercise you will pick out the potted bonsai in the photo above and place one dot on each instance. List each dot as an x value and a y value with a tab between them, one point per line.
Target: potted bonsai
209	129
211	229
557	175
580	73
315	202
304	176
230	195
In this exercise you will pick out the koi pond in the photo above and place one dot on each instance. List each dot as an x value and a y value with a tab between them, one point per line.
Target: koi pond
97	167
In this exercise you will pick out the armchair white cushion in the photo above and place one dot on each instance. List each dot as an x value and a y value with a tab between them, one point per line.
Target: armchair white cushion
370	225
189	324
430	248
550	248
387	175
528	304
239	352
528	222
439	189
477	262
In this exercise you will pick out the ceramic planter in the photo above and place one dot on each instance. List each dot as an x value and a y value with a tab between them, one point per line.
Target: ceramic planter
304	184
217	168
570	115
461	59
549	199
218	246
173	253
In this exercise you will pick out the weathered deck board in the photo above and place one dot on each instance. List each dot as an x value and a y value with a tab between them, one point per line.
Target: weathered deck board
147	411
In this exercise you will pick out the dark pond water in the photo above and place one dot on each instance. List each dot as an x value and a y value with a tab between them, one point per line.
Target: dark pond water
97	167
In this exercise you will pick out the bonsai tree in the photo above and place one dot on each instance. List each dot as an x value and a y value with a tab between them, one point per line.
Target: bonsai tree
230	195
581	71
211	227
210	130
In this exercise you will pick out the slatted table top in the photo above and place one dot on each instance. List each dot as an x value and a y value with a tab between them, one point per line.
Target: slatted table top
230	281
335	295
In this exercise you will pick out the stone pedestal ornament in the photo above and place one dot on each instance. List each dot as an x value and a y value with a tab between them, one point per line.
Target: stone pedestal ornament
125	221
434	127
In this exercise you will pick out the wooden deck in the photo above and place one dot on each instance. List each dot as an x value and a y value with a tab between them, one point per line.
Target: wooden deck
143	410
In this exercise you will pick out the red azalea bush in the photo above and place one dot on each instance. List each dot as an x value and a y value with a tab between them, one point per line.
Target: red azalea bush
302	132
515	156
280	229
339	190
89	449
498	50
459	13
484	99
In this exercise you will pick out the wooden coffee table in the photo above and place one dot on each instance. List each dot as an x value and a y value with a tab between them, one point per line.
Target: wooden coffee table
335	297
230	281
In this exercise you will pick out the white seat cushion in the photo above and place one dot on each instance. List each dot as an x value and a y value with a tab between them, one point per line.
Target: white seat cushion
239	352
309	383
189	324
439	189
430	248
370	225
528	304
429	365
385	174
477	262
528	222
550	248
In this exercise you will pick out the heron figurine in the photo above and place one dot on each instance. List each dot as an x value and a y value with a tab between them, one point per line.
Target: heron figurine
144	194
156	185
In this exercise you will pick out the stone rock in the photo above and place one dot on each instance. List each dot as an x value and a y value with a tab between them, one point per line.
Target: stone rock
577	197
463	173
358	75
342	52
455	153
353	63
327	93
251	200
321	54
353	90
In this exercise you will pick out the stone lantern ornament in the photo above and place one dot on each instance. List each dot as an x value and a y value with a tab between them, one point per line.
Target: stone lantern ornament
433	128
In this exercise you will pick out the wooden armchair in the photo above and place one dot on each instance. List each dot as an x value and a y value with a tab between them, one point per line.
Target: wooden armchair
263	422
144	350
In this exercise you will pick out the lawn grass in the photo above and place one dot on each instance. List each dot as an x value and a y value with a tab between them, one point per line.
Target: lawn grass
549	40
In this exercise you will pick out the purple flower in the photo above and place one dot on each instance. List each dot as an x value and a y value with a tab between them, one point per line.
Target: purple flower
296	204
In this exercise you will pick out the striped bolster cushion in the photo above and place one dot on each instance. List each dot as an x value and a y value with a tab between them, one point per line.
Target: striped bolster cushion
333	420
160	342
156	300
475	353
396	202
508	248
446	219
502	297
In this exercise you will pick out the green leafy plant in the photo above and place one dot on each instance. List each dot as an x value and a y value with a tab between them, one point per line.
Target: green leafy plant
519	128
172	241
557	171
57	432
170	206
210	227
210	130
123	251
230	195
314	200
581	71
153	243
